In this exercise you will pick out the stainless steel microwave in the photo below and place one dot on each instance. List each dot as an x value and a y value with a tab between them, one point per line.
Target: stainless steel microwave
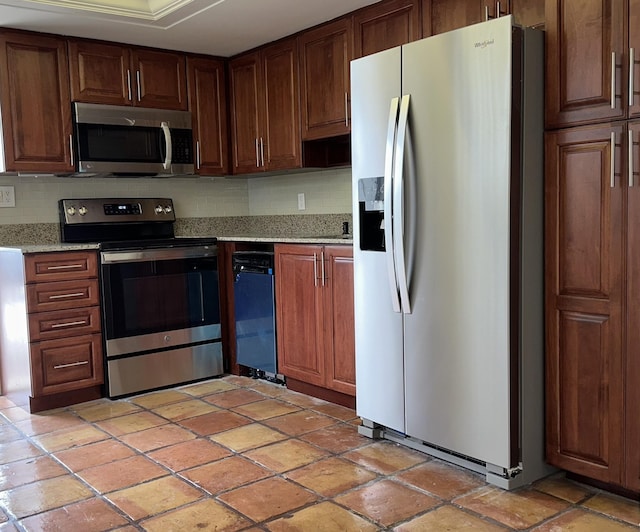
132	141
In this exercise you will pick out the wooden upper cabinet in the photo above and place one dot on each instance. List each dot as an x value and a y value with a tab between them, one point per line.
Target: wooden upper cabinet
584	257
35	102
325	54
634	44
245	81
281	145
385	25
527	13
99	73
587	57
160	79
439	16
265	118
208	105
119	75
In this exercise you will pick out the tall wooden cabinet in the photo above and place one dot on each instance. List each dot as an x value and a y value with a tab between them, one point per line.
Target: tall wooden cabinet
325	54
592	240
116	74
265	123
34	97
208	106
590	62
314	316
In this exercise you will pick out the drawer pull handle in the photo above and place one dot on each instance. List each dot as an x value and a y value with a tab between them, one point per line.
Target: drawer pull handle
65	296
65	267
71	365
68	324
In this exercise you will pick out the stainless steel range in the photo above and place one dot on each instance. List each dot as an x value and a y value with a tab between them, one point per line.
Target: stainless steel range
160	297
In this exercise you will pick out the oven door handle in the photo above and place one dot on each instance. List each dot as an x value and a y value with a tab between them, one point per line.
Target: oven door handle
148	255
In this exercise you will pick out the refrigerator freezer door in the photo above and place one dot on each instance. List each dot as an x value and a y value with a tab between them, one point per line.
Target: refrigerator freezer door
457	352
375	81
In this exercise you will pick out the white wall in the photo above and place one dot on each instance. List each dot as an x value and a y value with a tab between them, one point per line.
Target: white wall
326	192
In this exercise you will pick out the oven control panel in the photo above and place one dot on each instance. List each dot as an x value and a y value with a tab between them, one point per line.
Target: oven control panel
115	210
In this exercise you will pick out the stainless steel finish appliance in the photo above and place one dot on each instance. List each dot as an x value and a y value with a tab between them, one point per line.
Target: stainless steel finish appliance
253	296
160	294
447	198
121	140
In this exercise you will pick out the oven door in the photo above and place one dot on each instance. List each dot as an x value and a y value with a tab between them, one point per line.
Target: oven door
159	298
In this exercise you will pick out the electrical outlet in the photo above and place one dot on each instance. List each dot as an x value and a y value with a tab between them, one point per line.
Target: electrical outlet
7	196
301	202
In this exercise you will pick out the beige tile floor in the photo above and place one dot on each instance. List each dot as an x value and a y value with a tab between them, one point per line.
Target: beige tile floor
240	454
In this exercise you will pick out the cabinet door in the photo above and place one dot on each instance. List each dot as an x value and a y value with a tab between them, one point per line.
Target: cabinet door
299	313
632	386
66	364
581	38
34	97
440	16
385	25
160	79
245	80
634	43
584	258
100	73
281	144
527	13
325	53
208	105
339	320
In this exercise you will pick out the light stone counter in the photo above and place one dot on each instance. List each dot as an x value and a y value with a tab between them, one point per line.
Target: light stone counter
47	248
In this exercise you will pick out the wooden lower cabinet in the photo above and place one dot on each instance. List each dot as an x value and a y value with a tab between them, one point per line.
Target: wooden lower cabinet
314	317
50	328
592	305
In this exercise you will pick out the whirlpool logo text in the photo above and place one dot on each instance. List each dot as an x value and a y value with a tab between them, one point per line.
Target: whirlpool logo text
484	43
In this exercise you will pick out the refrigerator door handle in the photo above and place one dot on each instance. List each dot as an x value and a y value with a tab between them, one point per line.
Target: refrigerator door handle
398	204
388	210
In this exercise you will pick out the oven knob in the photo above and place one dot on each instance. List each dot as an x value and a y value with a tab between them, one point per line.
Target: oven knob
82	211
71	211
168	209
158	209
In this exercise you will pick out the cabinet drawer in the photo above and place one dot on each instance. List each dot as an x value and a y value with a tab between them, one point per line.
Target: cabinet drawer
67	265
62	295
66	364
63	323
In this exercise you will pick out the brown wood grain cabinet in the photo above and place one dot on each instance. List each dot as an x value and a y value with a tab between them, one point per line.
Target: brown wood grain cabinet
440	16
592	306
264	107
54	354
325	55
34	97
386	24
116	74
208	105
314	316
588	65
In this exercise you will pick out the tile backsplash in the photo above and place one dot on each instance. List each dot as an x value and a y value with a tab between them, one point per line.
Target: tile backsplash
326	192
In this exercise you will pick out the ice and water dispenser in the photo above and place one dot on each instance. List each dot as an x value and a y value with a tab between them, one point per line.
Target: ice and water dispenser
371	213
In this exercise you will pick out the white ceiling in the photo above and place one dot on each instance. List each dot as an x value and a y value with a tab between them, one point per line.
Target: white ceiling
216	27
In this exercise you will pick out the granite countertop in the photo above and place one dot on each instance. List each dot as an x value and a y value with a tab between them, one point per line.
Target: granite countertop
54	247
329	239
46	248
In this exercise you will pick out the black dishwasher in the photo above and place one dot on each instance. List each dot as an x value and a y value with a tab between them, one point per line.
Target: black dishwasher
253	292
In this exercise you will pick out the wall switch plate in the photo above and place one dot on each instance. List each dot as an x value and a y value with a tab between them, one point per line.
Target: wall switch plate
7	196
301	202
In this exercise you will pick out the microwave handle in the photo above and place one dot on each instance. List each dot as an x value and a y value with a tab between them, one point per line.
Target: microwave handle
167	138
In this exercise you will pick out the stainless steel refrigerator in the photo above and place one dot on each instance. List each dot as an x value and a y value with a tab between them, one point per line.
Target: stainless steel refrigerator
447	155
